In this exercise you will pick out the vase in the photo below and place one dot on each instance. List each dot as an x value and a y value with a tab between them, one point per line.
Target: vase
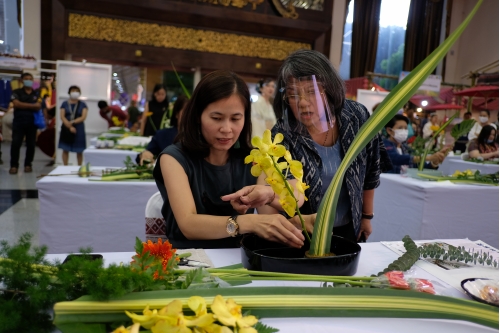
262	255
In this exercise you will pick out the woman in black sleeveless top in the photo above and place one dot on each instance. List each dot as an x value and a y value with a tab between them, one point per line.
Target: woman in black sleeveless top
159	108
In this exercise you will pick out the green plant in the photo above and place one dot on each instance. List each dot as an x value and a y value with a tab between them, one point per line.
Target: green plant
321	240
459	254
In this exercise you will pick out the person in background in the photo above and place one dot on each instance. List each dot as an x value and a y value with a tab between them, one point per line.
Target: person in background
484	119
155	116
263	116
484	146
73	115
207	162
26	102
113	114
431	126
409	110
398	150
461	143
133	114
164	137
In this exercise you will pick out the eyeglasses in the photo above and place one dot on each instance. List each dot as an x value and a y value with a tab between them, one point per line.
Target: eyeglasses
309	96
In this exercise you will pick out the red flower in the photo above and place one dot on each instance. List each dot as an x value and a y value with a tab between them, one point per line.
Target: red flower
162	251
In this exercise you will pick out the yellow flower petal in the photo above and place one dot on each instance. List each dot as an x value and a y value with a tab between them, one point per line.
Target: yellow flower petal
201	321
256	170
198	305
277	150
249	159
121	329
165	327
296	169
288	204
278	138
266	137
288	156
247	321
247	330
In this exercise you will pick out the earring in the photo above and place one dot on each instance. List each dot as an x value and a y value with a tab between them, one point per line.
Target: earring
237	144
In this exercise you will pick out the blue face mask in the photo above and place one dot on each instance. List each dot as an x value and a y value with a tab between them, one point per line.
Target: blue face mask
489	141
28	83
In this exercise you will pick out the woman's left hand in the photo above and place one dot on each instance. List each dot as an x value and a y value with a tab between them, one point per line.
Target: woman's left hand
366	228
252	196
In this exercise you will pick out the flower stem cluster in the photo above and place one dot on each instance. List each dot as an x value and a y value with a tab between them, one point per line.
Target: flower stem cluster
266	158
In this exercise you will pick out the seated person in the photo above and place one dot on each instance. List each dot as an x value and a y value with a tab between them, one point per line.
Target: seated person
398	150
461	143
164	137
207	162
484	146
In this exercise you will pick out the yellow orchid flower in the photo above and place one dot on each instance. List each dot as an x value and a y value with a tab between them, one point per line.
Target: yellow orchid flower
288	156
302	187
164	326
132	329
229	313
247	330
288	203
276	182
148	319
148	114
116	121
263	163
268	146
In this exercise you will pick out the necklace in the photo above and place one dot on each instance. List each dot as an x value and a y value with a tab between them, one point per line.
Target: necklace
326	137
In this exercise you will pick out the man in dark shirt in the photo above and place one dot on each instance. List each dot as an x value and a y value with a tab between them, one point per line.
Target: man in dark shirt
109	111
26	102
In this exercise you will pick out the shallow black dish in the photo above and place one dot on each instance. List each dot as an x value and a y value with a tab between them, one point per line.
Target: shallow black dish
261	255
479	299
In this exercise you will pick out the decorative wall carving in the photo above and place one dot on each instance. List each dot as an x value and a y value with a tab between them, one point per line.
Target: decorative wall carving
235	3
141	33
305	4
288	11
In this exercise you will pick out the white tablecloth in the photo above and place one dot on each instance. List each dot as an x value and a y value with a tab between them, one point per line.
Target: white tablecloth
107	157
445	166
464	165
77	212
374	258
93	140
433	210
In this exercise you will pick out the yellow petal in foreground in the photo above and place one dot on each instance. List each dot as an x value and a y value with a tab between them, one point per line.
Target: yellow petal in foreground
164	326
198	305
214	328
288	204
147	319
247	330
201	321
296	169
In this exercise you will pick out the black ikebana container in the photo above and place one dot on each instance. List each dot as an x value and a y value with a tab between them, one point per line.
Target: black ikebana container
262	255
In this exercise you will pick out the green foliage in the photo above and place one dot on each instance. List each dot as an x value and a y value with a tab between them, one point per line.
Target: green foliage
408	259
262	328
462	128
459	254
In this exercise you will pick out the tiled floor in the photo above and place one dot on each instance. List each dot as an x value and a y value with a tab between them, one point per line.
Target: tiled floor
19	205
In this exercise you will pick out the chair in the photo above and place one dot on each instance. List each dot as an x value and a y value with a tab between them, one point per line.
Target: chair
155	223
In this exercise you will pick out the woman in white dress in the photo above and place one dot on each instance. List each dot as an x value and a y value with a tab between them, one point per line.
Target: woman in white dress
263	116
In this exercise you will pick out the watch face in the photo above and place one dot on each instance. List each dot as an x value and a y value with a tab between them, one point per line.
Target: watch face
231	228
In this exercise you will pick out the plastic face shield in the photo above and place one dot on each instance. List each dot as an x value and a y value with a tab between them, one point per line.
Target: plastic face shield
304	100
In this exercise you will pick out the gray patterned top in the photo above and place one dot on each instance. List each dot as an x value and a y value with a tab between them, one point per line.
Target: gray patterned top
362	174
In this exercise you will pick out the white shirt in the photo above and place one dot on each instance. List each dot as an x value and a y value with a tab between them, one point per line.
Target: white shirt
477	129
263	117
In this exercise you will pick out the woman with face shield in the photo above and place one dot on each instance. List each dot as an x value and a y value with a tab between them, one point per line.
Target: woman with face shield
319	125
399	152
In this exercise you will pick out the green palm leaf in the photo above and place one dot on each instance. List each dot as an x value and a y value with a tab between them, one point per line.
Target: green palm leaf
323	226
462	128
186	92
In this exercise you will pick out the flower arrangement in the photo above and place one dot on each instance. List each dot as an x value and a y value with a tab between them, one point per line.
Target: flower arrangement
266	158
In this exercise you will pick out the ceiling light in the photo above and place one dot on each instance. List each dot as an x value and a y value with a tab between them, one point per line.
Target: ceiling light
424	103
419	109
115	74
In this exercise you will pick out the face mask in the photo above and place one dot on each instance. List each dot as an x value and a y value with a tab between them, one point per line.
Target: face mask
483	119
489	141
74	94
28	83
400	135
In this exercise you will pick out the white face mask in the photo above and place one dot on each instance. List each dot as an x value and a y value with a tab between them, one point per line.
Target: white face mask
74	94
400	135
483	119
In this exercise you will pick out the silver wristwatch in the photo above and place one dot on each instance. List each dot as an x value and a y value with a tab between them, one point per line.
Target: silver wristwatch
232	226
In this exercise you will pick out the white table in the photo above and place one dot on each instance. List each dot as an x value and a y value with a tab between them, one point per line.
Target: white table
93	140
77	212
445	166
374	258
107	157
483	168
433	210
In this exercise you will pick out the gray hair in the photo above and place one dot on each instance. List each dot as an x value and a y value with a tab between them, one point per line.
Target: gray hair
306	63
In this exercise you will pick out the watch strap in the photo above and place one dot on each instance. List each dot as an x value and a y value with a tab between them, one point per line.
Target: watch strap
367	216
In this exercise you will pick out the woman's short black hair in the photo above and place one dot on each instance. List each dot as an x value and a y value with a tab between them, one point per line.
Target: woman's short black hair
179	104
397	117
482	138
156	88
25	75
485	110
262	83
214	87
102	104
73	88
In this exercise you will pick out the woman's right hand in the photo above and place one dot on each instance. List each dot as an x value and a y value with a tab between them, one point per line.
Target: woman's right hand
436	158
275	228
72	130
146	156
